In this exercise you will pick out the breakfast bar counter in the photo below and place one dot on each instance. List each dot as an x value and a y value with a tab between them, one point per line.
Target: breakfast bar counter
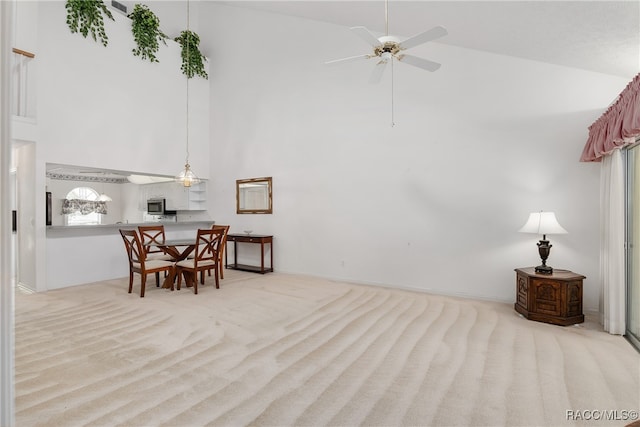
104	229
82	254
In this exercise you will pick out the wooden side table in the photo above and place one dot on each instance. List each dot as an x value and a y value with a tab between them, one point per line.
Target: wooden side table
249	238
552	298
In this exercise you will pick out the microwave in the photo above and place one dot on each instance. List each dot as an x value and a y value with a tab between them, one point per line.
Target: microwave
156	206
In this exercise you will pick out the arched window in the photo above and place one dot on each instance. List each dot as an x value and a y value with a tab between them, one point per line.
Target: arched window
83	193
82	208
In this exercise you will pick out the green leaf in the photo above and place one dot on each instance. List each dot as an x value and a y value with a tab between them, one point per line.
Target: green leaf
192	59
145	27
86	16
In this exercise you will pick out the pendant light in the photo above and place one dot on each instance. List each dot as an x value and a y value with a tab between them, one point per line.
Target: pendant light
103	197
186	177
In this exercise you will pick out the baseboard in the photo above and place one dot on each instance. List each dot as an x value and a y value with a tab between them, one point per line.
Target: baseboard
24	288
403	288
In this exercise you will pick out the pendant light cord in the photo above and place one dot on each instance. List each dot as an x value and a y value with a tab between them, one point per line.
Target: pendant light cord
392	118
187	41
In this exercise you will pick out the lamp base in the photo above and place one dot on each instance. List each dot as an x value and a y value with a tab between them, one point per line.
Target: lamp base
543	249
544	269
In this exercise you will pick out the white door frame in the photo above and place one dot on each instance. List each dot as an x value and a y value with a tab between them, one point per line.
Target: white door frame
7	284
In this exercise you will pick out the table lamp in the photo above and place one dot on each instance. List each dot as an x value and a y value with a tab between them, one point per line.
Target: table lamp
543	223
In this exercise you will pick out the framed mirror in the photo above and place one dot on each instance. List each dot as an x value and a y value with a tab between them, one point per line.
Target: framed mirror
253	196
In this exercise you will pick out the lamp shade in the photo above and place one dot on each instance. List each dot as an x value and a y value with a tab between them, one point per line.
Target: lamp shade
542	223
187	177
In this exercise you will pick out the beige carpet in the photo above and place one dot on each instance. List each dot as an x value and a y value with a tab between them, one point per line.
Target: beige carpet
284	350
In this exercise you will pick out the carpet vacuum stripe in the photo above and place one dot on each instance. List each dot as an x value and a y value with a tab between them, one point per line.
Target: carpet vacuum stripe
292	366
340	351
190	364
288	350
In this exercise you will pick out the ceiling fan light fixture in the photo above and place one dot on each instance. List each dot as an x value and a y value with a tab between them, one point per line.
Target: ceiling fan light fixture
387	48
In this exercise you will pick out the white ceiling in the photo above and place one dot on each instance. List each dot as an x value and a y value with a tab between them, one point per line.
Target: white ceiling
601	36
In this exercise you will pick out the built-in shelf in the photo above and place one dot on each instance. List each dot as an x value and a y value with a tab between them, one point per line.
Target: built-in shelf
178	198
197	197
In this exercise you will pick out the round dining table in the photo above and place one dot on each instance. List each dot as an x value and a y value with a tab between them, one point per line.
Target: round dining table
179	249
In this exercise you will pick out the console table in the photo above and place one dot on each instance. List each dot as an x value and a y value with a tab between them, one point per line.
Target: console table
249	238
553	298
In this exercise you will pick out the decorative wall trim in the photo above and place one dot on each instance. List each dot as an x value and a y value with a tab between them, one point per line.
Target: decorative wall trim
86	178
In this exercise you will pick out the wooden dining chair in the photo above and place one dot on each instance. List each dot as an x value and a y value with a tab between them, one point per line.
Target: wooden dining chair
223	247
153	234
138	263
206	257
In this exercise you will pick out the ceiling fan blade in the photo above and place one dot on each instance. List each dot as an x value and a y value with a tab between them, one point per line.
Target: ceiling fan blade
366	36
432	34
349	59
425	64
378	71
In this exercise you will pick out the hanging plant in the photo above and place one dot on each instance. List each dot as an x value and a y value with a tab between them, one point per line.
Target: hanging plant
192	59
86	16
146	32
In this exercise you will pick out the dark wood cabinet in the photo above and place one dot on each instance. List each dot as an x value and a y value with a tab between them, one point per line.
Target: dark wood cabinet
552	298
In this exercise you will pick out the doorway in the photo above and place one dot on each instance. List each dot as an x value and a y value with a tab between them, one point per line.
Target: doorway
633	246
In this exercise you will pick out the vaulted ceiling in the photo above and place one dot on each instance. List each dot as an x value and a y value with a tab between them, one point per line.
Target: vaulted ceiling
601	36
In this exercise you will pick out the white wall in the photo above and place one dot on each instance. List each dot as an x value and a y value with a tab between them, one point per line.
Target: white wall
433	203
25	34
102	107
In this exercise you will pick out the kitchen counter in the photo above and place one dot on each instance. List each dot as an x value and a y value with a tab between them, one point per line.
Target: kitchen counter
102	229
80	254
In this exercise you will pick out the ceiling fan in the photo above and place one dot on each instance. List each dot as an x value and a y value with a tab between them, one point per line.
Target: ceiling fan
387	48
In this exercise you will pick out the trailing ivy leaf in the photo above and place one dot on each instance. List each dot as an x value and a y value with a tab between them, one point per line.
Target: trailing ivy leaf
146	32
86	17
192	59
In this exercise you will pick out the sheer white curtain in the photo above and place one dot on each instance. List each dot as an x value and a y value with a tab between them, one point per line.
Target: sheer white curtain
612	260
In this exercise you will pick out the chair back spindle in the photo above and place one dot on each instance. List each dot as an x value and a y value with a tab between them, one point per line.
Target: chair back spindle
222	247
151	235
138	262
205	258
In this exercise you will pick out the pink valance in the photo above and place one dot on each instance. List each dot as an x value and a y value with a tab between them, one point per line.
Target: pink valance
617	127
